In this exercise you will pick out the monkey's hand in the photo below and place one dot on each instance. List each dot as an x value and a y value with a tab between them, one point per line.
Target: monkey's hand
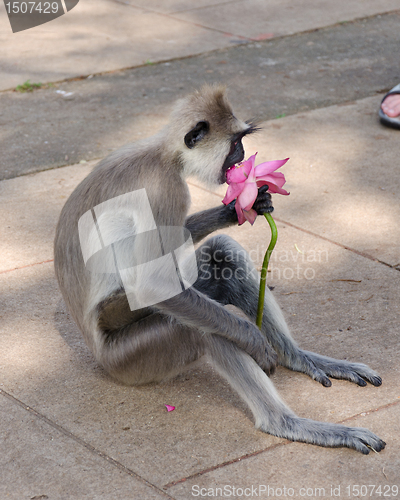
267	360
203	223
263	203
196	310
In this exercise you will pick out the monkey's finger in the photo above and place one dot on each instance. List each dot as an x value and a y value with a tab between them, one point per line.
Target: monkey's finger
263	189
268	361
268	369
263	208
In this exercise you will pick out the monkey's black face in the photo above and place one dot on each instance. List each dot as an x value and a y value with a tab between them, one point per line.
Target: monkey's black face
236	155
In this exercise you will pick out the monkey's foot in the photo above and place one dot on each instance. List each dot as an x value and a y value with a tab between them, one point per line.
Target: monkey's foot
320	367
325	434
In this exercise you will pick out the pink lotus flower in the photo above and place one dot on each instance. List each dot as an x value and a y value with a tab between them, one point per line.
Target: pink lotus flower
169	407
244	181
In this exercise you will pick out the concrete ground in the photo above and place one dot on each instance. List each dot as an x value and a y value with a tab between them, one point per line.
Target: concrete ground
314	73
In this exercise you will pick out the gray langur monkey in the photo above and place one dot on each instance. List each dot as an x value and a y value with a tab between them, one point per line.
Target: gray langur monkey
139	345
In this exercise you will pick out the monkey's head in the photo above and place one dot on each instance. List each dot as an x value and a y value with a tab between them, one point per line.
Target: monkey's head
207	134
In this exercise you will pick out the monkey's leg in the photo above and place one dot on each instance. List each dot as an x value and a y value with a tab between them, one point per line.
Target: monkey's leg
270	412
151	350
236	282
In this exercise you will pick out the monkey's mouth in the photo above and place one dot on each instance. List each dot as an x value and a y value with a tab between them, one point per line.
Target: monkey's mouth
228	165
235	156
224	171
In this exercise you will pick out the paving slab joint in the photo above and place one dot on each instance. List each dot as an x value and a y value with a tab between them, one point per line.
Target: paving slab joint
83	443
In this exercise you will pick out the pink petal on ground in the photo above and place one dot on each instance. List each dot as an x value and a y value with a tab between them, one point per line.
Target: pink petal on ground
169	407
269	166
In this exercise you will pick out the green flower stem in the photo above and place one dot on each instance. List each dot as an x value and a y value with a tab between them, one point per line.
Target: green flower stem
264	269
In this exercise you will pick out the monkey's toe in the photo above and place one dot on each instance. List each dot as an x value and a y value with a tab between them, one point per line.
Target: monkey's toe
376	381
325	382
361	382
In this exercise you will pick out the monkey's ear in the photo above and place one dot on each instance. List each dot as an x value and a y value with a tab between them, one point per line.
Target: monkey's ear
196	134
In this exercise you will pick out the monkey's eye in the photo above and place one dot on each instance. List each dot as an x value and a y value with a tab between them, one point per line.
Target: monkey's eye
196	134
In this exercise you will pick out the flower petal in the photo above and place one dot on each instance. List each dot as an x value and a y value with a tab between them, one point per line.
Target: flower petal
248	196
169	407
269	166
241	172
275	177
244	181
232	192
272	187
250	215
239	211
238	174
276	189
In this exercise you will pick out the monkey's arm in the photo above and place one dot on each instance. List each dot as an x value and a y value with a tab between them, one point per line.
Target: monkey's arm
194	309
201	224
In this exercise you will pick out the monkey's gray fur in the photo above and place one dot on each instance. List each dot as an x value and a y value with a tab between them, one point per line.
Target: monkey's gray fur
203	139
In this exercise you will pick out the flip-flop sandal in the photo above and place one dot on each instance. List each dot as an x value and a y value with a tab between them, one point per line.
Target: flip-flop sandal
388	120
